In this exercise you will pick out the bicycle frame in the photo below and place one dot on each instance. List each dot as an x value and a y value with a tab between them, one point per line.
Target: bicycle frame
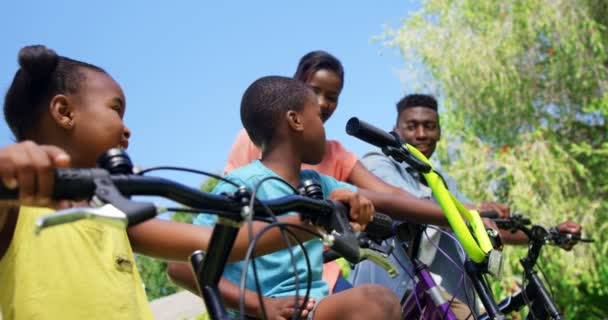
534	295
426	299
475	241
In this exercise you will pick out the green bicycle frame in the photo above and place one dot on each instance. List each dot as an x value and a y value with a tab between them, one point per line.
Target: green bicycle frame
476	244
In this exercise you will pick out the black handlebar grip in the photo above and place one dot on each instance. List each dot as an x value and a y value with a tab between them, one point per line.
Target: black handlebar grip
70	184
489	214
8	194
330	255
381	227
76	184
370	134
348	248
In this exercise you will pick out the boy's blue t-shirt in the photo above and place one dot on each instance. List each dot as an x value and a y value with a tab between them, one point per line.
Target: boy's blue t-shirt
275	270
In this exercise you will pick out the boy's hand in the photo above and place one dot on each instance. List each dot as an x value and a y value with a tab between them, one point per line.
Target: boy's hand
283	308
29	167
361	209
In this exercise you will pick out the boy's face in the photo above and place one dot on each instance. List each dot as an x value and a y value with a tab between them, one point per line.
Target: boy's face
313	135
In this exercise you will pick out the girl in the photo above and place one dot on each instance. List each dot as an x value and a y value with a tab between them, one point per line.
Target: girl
57	106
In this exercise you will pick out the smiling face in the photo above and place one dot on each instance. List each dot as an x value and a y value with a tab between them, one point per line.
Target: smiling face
98	118
419	126
327	86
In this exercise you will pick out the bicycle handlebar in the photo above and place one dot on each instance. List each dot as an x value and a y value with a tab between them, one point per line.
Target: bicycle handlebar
476	243
114	188
538	233
390	143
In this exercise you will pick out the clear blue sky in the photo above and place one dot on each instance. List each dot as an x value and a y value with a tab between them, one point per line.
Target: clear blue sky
184	64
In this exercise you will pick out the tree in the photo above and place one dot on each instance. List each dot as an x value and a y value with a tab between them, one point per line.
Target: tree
524	86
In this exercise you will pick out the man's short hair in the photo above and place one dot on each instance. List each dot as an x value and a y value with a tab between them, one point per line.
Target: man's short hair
416	100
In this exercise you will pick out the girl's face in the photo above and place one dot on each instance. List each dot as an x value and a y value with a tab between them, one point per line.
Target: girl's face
326	85
98	118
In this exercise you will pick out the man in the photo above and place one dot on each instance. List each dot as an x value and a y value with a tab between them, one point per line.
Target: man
418	124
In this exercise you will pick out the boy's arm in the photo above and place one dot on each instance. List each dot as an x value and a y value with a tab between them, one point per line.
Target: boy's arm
172	240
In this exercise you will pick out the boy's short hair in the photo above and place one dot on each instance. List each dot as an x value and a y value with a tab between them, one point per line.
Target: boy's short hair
265	102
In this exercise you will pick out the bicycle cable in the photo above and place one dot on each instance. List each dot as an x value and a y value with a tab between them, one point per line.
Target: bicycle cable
463	255
172	168
252	258
251	249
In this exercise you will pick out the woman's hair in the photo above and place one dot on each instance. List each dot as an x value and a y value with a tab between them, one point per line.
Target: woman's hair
42	74
318	60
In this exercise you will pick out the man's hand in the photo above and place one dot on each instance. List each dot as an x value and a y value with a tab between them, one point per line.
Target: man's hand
569	227
501	209
361	209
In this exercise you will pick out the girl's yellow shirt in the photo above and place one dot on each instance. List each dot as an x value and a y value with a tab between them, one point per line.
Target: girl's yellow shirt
83	270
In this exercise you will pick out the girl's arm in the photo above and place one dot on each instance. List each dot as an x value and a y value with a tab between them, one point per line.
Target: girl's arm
363	178
8	221
176	241
407	209
29	167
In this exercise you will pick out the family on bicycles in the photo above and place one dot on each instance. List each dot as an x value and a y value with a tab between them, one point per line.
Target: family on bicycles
65	113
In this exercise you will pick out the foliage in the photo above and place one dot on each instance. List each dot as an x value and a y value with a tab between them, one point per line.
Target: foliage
524	86
153	271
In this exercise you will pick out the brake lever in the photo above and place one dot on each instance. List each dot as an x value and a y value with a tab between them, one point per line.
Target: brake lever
567	239
107	214
380	260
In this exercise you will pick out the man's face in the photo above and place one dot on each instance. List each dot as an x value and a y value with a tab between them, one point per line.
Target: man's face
419	126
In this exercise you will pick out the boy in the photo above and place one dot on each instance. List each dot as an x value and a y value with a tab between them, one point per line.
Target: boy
282	117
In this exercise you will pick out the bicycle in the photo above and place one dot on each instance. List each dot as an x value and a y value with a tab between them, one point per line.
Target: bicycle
110	186
534	295
482	257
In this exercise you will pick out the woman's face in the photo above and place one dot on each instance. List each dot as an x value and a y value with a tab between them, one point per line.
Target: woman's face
326	85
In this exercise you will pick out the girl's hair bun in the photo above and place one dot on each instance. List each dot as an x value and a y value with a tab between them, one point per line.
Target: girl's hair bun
38	61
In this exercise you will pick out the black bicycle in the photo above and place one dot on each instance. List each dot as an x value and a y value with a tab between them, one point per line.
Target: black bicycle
109	187
534	295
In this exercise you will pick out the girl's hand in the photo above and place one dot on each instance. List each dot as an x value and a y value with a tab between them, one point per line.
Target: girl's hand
361	209
29	167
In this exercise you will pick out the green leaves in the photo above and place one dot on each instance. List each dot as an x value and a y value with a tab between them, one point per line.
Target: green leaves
525	87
